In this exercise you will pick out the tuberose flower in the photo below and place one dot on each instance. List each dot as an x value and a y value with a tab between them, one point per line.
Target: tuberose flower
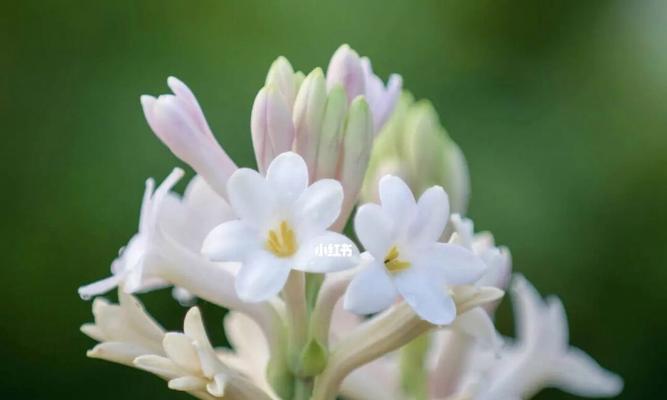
282	226
166	220
542	357
191	364
402	236
135	263
124	331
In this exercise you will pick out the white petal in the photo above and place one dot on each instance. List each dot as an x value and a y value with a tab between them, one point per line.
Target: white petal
209	361
329	252
397	199
370	291
428	299
99	287
528	309
374	229
193	326
118	352
217	386
558	337
141	321
579	374
318	206
250	196
431	216
261	277
450	264
187	383
211	208
157	365
247	338
179	348
288	177
231	241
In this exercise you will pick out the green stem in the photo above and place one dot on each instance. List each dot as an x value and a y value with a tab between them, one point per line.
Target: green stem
294	294
303	389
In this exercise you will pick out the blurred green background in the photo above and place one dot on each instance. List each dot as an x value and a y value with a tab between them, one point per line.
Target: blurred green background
560	108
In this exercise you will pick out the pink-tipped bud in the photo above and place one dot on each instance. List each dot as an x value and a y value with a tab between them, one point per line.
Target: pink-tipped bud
345	69
271	126
177	119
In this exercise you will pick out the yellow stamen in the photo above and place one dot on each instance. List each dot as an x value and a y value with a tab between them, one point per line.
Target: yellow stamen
283	242
392	263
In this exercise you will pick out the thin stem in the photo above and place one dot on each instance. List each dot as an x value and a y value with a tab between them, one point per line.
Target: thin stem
331	291
296	307
303	389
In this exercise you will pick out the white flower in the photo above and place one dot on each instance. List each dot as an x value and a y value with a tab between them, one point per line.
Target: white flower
402	236
497	259
191	364
132	268
541	357
179	122
282	226
166	221
125	331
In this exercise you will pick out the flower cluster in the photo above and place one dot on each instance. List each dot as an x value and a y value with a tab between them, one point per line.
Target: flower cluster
401	310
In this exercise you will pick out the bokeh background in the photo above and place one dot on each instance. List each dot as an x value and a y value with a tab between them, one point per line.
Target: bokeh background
560	108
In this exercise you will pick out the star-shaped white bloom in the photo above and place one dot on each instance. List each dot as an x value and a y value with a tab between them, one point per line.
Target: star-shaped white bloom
402	237
166	220
282	226
542	357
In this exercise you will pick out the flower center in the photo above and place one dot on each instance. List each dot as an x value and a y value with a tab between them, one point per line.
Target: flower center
392	263
281	242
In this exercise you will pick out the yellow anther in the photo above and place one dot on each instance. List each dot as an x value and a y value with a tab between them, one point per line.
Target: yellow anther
283	242
392	263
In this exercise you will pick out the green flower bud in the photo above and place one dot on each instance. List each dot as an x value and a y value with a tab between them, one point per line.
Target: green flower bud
309	108
415	146
331	136
312	360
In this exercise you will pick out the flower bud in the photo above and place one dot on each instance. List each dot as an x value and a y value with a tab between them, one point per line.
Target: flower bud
331	136
312	360
357	143
415	144
282	76
356	75
345	69
271	126
180	123
381	99
309	108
